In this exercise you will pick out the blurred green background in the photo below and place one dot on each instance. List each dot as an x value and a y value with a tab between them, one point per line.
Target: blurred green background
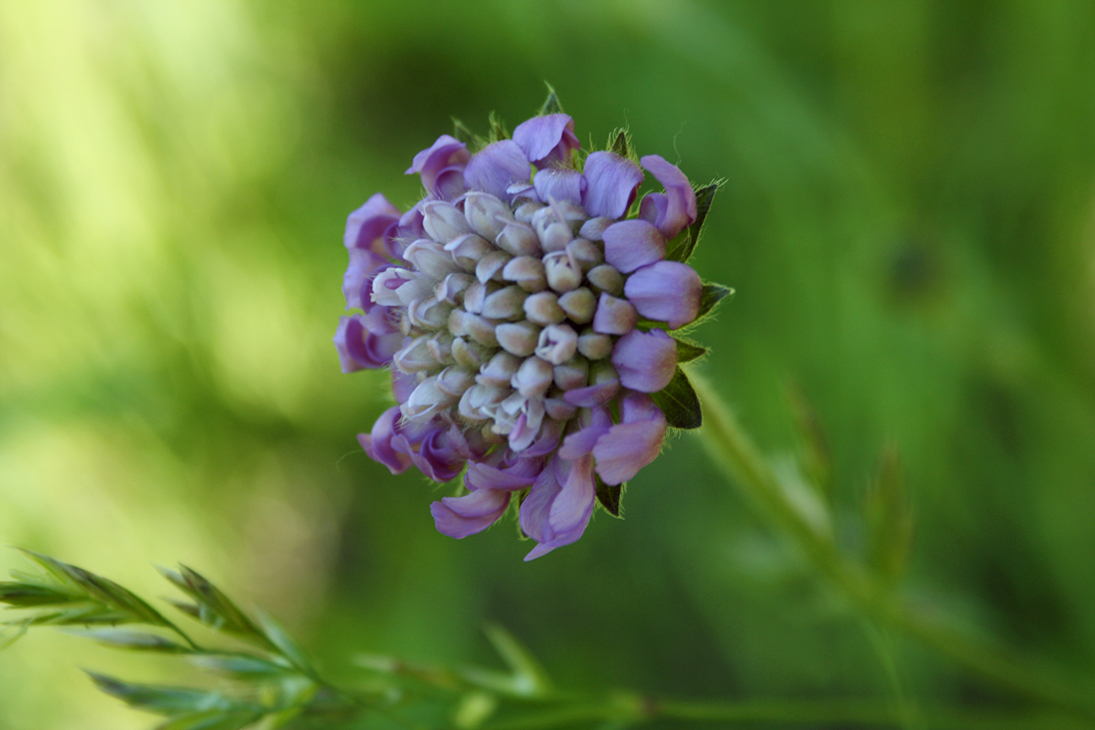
908	219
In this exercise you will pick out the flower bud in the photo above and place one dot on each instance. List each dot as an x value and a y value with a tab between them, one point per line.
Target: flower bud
467	250
533	378
562	273
518	338
491	266
527	272
557	343
518	239
579	304
443	221
604	278
593	345
486	214
543	308
505	303
614	316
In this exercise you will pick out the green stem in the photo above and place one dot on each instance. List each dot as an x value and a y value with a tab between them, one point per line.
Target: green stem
845	713
733	450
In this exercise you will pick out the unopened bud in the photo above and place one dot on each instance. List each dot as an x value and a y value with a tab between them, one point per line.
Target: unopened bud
491	266
614	316
579	304
518	338
604	278
562	273
533	378
486	214
443	221
518	239
505	303
543	308
557	343
593	345
467	250
527	272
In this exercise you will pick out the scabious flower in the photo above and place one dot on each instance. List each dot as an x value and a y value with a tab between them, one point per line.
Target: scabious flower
526	322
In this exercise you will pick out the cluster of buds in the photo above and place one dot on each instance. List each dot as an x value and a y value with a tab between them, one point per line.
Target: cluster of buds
531	328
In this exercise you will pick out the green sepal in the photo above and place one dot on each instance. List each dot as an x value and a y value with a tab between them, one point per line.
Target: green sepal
498	129
710	296
684	243
465	135
688	351
610	496
679	402
619	142
551	104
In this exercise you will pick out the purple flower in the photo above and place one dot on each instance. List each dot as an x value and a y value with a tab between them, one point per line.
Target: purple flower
524	320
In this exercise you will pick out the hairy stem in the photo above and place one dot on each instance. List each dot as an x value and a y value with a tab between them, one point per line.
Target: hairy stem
734	452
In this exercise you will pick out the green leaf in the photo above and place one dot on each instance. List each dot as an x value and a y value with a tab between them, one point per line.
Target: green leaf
688	351
679	402
214	608
551	104
29	595
210	720
137	640
78	584
531	678
710	296
240	665
288	647
889	518
609	495
12	632
164	700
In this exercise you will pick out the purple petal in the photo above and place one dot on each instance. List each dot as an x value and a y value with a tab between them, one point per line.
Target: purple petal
674	210
645	361
438	164
666	291
556	186
611	182
562	506
629	446
517	476
581	442
378	444
497	166
360	347
462	516
356	282
592	395
436	457
632	244
372	225
547	140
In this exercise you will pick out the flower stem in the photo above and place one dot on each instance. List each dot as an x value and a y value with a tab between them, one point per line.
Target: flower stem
734	452
637	710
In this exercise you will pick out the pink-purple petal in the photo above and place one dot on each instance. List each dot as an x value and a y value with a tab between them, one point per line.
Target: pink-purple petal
611	183
632	244
497	166
558	185
674	210
369	226
645	361
547	140
378	443
446	156
459	517
666	291
628	447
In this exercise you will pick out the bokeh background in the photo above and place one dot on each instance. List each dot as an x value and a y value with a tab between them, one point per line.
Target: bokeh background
908	220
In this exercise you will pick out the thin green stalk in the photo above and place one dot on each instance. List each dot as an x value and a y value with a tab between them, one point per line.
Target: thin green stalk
733	451
843	712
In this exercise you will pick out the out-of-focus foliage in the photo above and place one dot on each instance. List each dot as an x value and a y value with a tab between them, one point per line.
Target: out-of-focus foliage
907	220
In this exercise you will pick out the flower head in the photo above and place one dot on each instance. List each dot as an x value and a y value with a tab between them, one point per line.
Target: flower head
526	322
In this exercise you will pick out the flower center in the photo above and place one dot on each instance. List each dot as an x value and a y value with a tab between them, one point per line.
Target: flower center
511	314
